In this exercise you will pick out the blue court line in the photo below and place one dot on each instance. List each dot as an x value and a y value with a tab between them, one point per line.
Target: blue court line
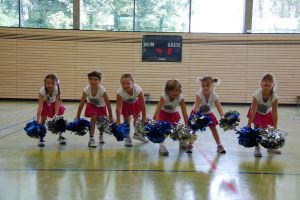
10	126
143	170
14	125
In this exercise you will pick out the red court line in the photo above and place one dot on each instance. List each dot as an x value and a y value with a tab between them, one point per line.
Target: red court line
229	185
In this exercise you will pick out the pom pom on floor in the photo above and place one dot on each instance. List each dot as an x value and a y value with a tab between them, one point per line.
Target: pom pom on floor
57	124
79	126
249	137
272	139
158	131
183	133
35	130
121	131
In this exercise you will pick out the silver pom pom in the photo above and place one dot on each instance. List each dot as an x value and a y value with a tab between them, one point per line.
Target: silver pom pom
104	125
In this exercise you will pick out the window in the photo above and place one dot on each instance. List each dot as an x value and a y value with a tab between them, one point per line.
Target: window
56	14
107	15
217	16
9	13
162	15
276	16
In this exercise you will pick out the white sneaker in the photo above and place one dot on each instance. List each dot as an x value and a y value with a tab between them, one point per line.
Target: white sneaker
92	143
41	143
101	139
128	142
62	140
274	151
140	138
257	152
163	150
182	145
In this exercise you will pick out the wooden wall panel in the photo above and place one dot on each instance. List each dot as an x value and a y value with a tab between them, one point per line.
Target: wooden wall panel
239	60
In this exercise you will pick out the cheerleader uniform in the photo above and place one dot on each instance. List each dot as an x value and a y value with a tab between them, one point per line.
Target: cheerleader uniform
49	103
169	111
131	104
263	116
95	104
210	104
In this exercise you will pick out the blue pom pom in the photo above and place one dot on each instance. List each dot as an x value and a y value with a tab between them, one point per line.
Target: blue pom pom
35	130
57	125
79	126
249	137
199	121
230	120
157	132
121	131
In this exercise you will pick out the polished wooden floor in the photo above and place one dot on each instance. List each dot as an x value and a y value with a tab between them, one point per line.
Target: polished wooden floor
113	171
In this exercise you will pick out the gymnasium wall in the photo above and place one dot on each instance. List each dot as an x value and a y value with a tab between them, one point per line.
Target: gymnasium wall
239	60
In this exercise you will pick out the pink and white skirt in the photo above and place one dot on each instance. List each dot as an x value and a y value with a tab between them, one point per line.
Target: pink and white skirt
49	109
131	108
262	121
92	110
169	117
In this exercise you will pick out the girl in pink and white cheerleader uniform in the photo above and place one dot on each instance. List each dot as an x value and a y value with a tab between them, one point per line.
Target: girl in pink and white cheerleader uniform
50	103
97	104
166	109
207	99
263	111
130	101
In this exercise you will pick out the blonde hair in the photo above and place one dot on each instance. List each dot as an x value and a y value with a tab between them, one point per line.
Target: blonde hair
55	79
127	75
171	85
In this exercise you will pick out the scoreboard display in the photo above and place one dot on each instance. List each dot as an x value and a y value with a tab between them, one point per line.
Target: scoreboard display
161	48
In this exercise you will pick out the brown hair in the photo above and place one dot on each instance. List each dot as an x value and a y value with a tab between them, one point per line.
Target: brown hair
95	74
54	77
127	75
208	78
172	84
269	77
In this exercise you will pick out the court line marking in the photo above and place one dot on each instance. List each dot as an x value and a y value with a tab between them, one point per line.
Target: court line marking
213	165
144	170
10	126
18	123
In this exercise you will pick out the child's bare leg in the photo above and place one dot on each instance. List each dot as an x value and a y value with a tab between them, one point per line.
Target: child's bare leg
92	131
101	137
220	148
128	140
135	118
215	134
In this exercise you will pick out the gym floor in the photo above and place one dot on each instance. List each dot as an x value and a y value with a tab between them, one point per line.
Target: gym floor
113	171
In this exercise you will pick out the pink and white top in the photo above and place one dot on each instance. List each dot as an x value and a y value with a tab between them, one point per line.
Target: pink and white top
96	100
211	101
130	98
47	97
170	106
264	108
